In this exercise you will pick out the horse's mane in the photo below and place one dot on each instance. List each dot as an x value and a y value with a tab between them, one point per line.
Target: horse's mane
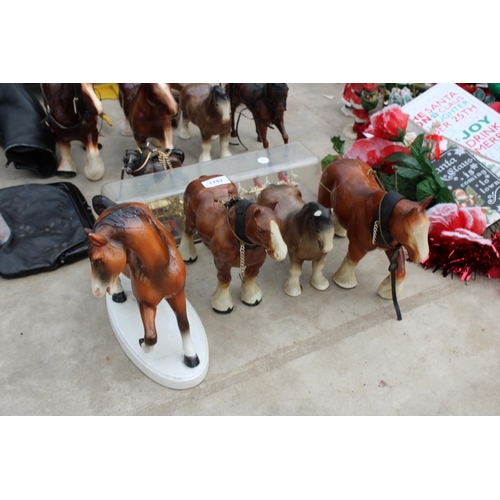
119	218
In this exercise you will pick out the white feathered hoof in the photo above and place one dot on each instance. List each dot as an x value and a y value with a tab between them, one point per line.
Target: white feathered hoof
222	303
344	280
385	288
146	348
320	283
292	288
187	249
250	294
94	169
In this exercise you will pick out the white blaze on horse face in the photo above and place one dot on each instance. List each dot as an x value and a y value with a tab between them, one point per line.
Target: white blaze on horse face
278	246
326	238
224	109
418	242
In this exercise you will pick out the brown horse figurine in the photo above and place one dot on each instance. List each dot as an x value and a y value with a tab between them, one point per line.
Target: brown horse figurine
72	111
148	108
307	229
127	238
237	232
266	102
373	218
208	108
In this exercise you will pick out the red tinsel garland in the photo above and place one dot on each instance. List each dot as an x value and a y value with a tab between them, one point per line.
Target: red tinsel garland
464	257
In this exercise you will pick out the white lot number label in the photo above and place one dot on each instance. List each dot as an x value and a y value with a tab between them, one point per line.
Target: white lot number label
216	181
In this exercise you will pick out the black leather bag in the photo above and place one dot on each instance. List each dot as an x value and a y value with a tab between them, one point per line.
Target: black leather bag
27	140
46	223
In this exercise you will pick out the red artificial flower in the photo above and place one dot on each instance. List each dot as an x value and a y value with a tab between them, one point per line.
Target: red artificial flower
388	122
373	151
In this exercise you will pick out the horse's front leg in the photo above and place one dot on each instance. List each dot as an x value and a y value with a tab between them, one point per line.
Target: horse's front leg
186	247
233	111
167	142
224	146
280	124
262	133
184	129
148	316
67	167
119	294
206	147
178	305
94	166
292	285
385	288
222	301
345	276
251	294
318	280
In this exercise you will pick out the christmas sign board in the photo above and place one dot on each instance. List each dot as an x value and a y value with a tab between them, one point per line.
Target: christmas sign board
471	182
448	110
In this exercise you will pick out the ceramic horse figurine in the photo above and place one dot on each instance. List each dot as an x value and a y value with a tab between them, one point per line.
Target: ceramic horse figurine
266	102
208	108
72	111
148	109
147	159
127	238
373	218
239	233
307	229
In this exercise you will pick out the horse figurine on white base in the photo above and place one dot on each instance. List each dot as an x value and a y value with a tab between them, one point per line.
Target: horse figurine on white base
208	108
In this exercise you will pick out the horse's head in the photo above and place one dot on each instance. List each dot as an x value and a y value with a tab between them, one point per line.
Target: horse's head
409	226
132	160
220	100
277	94
160	95
107	260
263	229
315	220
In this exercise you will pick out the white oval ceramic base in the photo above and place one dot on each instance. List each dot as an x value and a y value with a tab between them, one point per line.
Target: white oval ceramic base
164	364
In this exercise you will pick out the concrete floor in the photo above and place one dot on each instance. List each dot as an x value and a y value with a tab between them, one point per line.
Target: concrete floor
337	352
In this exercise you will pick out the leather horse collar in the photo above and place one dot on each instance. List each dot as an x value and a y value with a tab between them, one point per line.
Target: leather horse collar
379	229
240	209
76	95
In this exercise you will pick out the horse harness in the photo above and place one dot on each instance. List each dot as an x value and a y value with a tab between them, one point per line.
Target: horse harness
381	234
241	207
163	158
79	107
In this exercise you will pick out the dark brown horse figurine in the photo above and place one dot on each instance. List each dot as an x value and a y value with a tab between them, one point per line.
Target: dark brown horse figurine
147	159
373	218
127	238
208	108
266	102
148	108
307	229
237	232
72	111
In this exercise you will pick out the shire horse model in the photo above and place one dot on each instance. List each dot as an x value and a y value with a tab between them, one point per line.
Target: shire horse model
127	238
266	102
373	218
239	233
208	108
147	159
307	229
72	111
148	108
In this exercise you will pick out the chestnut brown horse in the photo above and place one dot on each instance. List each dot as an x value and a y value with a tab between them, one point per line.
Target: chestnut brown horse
148	108
72	111
307	229
373	218
208	108
266	102
237	232
127	238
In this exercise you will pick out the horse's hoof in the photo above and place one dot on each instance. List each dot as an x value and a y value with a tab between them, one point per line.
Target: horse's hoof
227	311
191	361
320	285
119	297
65	174
256	303
191	261
146	348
